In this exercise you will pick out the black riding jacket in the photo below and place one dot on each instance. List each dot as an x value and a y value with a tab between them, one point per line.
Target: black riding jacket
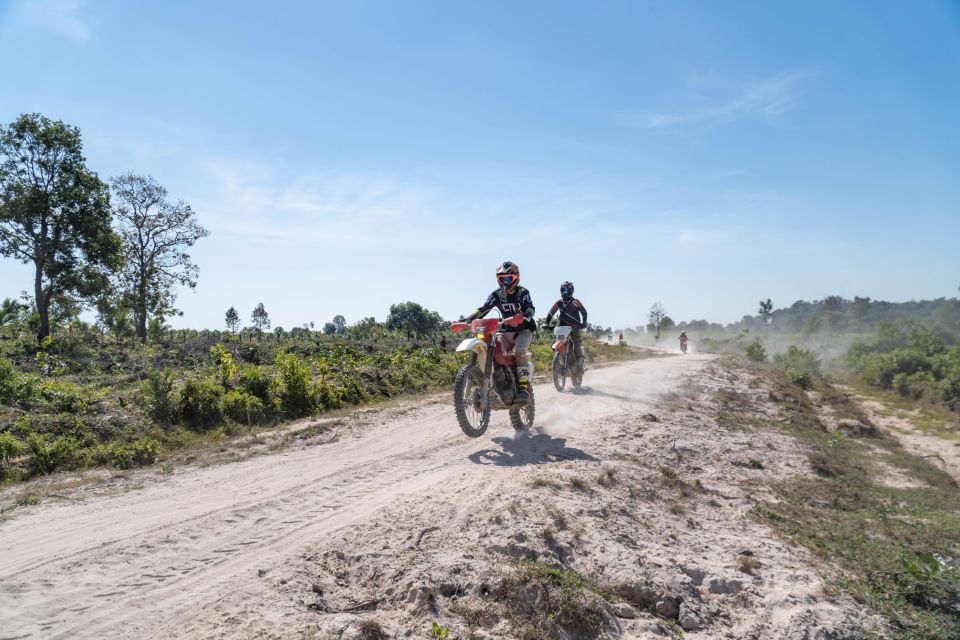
509	304
572	313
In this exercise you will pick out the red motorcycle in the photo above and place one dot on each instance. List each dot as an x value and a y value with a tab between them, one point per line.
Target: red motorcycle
488	383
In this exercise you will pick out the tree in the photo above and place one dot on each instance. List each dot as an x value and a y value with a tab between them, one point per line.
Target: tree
655	317
832	309
12	316
413	319
766	310
860	307
340	323
54	212
260	318
329	328
156	234
232	319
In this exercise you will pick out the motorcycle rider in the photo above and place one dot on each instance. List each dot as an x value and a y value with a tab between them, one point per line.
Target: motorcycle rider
683	341
510	298
572	314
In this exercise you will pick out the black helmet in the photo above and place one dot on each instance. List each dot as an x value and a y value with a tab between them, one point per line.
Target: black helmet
508	275
566	289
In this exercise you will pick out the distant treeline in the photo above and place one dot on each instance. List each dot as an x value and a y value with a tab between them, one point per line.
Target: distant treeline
836	314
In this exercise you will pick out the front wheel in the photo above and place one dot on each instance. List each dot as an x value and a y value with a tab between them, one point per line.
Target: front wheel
577	377
473	417
522	417
559	376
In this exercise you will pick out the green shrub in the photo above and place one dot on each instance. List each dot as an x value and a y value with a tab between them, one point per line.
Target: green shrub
254	381
157	392
141	453
15	386
199	404
756	352
297	397
62	453
65	397
242	407
10	449
223	361
800	365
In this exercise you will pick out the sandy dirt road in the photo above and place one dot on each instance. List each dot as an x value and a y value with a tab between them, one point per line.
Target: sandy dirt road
158	561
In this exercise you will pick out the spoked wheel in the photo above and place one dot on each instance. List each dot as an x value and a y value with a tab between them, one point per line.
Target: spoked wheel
559	377
577	376
522	417
576	372
468	401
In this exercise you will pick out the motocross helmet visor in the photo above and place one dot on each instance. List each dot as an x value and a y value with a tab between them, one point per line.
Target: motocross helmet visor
566	291
507	278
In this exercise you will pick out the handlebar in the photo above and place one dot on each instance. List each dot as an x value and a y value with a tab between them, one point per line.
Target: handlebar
513	321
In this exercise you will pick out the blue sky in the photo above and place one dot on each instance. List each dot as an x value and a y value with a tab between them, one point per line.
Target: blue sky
349	155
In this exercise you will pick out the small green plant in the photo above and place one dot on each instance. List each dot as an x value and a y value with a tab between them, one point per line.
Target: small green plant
370	630
753	463
223	362
668	472
297	397
756	352
157	392
199	404
438	631
10	449
579	484
800	365
243	408
28	500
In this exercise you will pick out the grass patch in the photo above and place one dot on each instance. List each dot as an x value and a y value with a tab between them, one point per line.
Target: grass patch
543	483
895	547
544	602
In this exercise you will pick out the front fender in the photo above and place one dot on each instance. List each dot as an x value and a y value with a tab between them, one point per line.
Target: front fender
477	346
473	344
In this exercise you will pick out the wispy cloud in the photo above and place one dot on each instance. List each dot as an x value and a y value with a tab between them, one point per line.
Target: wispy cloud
773	96
62	17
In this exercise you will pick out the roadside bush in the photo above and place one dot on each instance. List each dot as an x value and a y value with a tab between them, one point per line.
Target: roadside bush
157	392
297	397
15	386
10	449
223	361
260	385
242	407
800	365
65	397
62	453
141	453
916	365
199	404
756	352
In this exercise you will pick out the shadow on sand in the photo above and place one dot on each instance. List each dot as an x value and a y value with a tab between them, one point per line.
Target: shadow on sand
539	448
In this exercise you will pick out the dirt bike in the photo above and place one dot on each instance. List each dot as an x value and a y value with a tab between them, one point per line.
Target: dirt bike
565	360
683	346
489	383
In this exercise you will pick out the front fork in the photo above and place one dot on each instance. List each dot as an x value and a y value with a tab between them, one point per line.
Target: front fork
487	378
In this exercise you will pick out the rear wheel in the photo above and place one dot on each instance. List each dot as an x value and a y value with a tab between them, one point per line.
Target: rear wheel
559	377
522	417
468	401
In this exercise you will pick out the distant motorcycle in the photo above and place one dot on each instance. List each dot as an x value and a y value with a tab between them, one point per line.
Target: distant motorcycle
565	360
488	383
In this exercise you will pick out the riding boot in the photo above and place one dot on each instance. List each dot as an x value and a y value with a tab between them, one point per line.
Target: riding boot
523	384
